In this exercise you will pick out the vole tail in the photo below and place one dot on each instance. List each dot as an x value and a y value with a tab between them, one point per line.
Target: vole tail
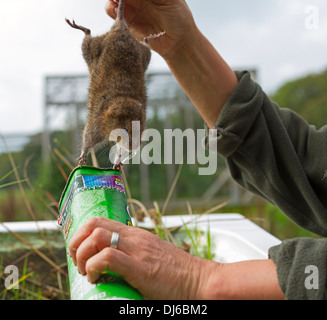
120	14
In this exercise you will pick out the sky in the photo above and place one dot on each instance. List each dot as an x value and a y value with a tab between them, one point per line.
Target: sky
283	40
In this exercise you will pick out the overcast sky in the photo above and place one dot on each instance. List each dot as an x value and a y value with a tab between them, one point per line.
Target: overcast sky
282	39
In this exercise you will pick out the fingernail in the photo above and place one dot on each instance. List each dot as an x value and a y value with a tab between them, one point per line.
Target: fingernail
80	272
72	258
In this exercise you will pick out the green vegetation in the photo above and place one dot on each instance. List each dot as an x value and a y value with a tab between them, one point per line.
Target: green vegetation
35	259
307	96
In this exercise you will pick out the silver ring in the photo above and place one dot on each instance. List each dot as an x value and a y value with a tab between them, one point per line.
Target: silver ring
114	240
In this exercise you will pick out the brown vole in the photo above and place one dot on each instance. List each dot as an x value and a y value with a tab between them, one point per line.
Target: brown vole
117	95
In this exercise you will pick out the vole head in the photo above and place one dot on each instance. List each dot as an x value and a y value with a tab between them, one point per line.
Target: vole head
125	123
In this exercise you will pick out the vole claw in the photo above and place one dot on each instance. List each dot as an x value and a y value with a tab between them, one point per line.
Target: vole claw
118	161
82	159
74	25
118	166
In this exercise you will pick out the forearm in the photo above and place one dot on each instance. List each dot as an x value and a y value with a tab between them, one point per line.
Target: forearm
203	74
246	280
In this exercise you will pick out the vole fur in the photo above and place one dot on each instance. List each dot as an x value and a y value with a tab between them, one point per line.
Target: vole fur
117	63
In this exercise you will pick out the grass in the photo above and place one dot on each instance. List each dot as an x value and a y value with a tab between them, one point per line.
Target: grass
45	277
13	285
4	185
35	280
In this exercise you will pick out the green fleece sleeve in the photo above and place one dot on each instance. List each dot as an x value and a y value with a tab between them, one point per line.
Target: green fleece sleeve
301	268
275	154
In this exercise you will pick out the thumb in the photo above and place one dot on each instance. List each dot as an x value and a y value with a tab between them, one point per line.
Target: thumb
111	8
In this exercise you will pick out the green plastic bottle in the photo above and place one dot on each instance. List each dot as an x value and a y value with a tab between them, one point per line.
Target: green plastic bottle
93	192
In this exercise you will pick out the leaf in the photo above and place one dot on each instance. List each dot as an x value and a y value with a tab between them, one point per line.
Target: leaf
12	183
24	277
8	174
192	239
209	243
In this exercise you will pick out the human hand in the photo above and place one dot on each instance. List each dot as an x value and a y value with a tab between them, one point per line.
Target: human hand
147	17
156	268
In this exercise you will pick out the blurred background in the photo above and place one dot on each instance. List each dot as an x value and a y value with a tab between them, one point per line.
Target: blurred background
43	93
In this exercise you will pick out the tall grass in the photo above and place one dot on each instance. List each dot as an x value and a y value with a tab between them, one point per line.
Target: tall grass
4	185
27	284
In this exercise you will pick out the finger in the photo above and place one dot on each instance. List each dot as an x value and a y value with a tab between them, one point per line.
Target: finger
80	235
99	239
108	259
86	230
111	8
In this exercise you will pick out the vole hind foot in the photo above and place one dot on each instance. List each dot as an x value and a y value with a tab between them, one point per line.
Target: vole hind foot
82	159
74	25
151	37
118	166
117	162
